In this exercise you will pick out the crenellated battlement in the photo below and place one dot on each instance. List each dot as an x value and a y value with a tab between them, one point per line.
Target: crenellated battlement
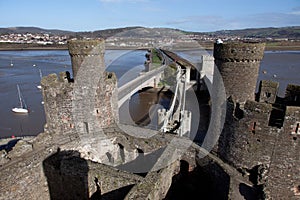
86	103
238	64
87	54
52	80
263	141
57	95
86	47
239	52
292	95
258	149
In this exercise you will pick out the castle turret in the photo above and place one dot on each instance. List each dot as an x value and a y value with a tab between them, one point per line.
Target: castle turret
238	64
87	103
86	52
95	102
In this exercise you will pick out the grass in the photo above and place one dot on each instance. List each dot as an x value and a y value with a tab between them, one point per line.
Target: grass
284	45
155	57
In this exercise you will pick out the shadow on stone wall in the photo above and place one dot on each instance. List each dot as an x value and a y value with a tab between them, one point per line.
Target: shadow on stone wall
143	163
8	146
118	194
194	184
203	98
67	175
251	193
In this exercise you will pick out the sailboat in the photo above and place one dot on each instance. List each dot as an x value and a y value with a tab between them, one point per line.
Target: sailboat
39	86
23	107
11	63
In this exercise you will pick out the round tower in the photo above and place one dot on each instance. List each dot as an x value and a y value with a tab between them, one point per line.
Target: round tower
86	52
238	64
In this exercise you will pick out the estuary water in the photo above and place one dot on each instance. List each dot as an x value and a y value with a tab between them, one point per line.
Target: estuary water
23	68
281	66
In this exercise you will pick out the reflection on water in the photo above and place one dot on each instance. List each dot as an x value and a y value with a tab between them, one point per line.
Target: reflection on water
142	107
25	72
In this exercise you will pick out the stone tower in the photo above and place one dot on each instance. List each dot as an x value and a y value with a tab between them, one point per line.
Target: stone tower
86	52
238	64
86	104
95	100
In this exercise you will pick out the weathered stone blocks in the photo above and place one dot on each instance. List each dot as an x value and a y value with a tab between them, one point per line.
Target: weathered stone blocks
267	91
238	64
83	52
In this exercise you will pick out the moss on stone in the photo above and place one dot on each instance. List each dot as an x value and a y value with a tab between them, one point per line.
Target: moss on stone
239	51
269	83
258	107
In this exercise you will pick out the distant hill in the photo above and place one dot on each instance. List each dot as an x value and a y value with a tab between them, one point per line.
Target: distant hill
142	32
106	32
292	32
99	33
34	30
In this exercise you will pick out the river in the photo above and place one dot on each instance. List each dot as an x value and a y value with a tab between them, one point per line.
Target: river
281	66
127	65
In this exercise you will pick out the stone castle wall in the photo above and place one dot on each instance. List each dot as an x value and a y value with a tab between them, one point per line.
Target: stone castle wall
238	64
248	137
85	52
57	96
268	91
261	135
71	177
292	95
284	172
265	153
86	103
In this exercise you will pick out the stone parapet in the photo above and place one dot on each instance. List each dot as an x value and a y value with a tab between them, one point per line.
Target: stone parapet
239	52
238	64
86	47
86	53
292	95
267	91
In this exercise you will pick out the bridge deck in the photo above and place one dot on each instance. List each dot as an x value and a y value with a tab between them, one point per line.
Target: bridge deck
128	89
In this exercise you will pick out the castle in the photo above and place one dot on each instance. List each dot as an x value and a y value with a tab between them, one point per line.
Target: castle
261	133
84	152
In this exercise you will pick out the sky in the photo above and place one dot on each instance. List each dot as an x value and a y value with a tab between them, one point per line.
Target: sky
188	15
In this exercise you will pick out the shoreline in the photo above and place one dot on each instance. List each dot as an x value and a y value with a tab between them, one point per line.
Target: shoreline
29	135
177	49
62	49
205	46
6	140
271	48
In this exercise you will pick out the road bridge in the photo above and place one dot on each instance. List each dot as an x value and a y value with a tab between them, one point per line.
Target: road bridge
188	74
146	79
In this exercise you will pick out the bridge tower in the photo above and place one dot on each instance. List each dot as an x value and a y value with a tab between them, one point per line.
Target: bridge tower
238	64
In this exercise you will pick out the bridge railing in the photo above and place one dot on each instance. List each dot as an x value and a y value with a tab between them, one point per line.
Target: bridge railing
132	85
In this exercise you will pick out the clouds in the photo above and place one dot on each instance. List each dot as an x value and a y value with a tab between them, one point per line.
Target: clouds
196	16
204	23
270	19
215	22
192	15
295	11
